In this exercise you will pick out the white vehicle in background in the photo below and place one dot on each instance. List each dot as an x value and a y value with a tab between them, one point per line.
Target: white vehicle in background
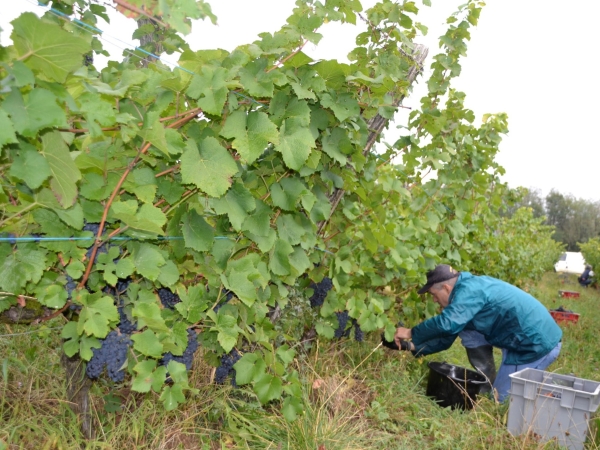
570	262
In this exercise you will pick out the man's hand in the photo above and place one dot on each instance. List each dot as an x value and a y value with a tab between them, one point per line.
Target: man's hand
402	334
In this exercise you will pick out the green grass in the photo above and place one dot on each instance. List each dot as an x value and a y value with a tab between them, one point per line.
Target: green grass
357	396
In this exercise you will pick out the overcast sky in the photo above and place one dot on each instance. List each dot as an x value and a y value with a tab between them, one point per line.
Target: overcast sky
533	59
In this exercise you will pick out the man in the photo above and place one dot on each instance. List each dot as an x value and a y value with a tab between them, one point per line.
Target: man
585	278
507	317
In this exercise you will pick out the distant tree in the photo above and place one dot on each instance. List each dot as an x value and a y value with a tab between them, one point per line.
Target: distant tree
522	197
576	220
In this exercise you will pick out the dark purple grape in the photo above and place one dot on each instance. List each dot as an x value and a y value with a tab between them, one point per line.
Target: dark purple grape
226	369
168	298
320	291
342	318
359	335
112	354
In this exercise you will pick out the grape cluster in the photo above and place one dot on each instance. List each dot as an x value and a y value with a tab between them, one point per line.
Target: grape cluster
168	298
93	227
226	368
320	291
340	331
125	326
112	354
188	354
359	335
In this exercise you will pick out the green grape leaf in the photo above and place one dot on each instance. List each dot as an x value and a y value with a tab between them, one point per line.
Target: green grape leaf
86	344
46	48
337	145
295	143
65	173
149	218
197	234
257	81
268	388
264	243
148	376
210	167
299	261
237	203
147	343
167	140
53	296
192	303
324	329
36	111
250	367
147	260
287	193
259	223
7	130
286	354
169	274
19	267
75	269
210	88
333	72
343	105
291	228
251	133
178	14
124	268
178	373
29	166
23	76
72	216
69	333
292	407
172	396
279	262
243	276
148	315
96	109
97	314
228	331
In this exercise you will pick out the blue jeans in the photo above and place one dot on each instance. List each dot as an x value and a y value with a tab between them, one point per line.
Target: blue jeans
472	339
502	383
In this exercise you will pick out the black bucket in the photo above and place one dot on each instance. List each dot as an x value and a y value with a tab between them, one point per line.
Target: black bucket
453	386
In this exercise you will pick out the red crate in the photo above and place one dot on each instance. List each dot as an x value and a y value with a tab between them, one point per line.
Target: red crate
569	294
562	317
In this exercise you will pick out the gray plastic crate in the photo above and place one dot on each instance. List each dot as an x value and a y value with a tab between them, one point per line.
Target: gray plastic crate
552	406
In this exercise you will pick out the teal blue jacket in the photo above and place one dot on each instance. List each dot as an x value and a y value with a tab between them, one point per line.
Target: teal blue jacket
508	317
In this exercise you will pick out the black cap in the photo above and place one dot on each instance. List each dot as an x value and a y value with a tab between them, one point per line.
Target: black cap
442	272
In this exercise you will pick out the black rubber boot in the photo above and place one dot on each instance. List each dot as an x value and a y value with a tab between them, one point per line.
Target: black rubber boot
482	359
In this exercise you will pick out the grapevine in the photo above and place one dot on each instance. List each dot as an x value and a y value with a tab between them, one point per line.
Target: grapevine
144	202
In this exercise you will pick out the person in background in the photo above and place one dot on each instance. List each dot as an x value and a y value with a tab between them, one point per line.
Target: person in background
585	279
507	317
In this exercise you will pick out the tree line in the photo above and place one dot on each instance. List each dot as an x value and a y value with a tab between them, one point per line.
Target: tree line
576	220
